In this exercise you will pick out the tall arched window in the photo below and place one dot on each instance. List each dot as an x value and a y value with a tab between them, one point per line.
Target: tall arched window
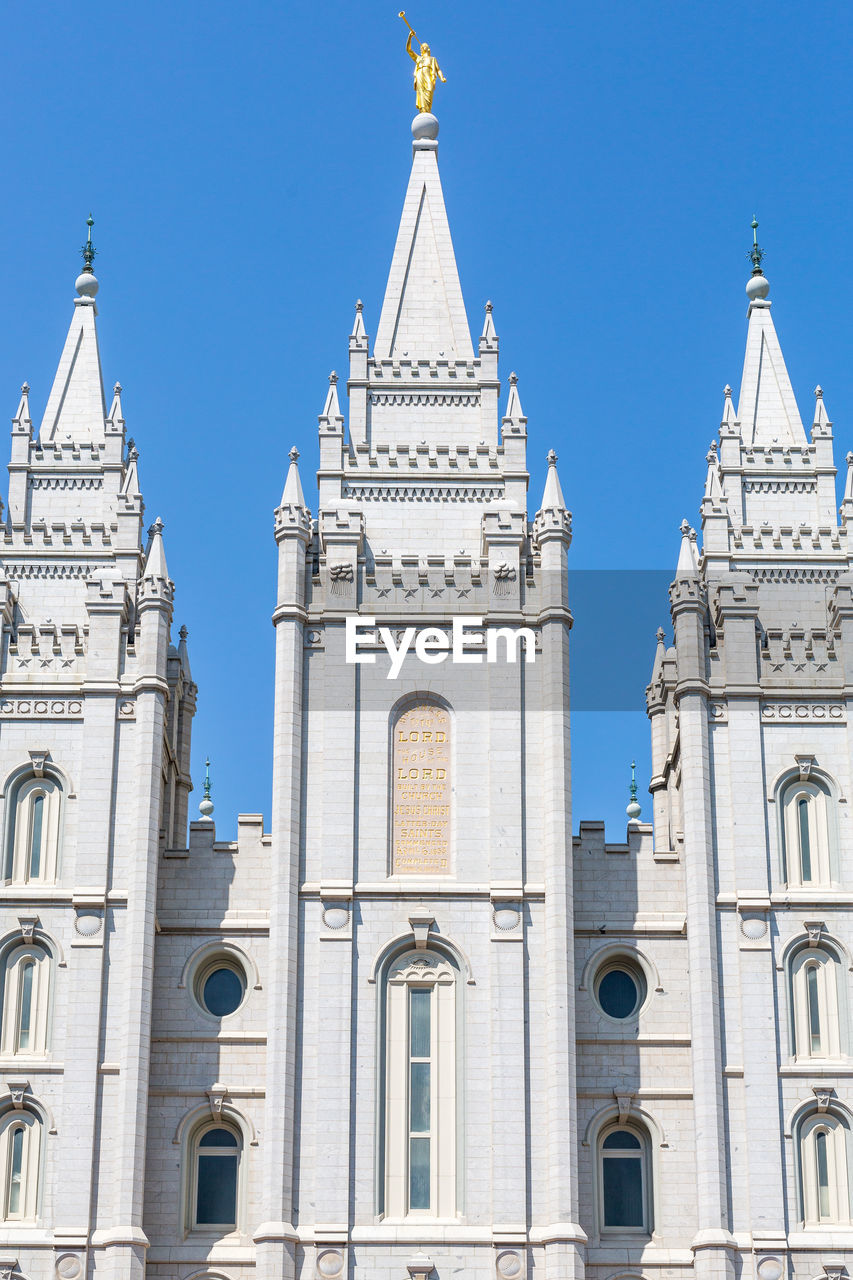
32	830
20	1149
825	1168
420	1086
624	1179
26	1000
214	1184
818	1022
807	833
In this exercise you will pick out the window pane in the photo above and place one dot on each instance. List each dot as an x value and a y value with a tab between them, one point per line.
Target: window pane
623	1191
26	1006
35	841
419	1018
814	1008
419	1173
618	993
216	1202
822	1176
419	1098
218	1138
15	1171
222	992
805	847
621	1140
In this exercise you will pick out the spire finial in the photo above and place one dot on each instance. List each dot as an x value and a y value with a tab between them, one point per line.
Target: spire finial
757	287
633	810
294	454
86	284
206	806
552	458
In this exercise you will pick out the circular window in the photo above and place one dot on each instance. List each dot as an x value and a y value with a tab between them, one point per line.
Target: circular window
220	986
620	989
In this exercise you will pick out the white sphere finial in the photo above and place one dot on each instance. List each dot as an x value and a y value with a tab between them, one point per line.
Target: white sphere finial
86	284
206	806
425	127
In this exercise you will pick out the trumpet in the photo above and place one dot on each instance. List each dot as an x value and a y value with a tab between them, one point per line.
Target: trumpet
402	14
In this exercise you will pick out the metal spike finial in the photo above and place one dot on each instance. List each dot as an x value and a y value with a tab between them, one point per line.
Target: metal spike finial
756	253
88	250
633	810
206	806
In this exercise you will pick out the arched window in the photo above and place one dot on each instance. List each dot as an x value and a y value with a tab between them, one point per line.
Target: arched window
807	833
818	1023
420	1086
624	1183
825	1165
32	830
215	1159
26	1000
20	1149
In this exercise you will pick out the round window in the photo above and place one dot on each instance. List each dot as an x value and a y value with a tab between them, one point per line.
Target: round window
220	987
620	989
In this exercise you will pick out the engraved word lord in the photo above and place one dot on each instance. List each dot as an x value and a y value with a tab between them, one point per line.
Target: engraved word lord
421	792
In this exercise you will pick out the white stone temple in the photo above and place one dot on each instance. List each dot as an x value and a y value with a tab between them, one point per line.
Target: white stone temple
413	1027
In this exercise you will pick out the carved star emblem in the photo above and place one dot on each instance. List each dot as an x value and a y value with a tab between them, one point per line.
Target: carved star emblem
384	591
23	662
439	591
462	592
411	592
45	662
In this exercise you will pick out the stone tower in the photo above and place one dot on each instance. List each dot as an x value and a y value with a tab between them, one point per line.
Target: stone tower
420	1089
95	717
751	720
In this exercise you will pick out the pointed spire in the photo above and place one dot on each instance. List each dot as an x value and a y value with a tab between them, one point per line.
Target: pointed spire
332	408
713	488
489	337
22	417
131	475
293	495
660	654
767	410
552	498
359	333
846	508
423	313
633	810
115	415
822	424
513	404
183	654
728	422
76	409
694	548
686	567
206	806
155	562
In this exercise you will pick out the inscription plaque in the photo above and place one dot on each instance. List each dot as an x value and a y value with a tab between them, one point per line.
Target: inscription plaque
421	791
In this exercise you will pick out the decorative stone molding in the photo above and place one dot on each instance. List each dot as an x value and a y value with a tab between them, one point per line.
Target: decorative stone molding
509	1264
39	757
624	1103
217	1096
421	926
39	708
803	711
769	1267
823	1096
805	764
8	1267
834	1269
28	925
69	1266
814	928
420	1266
330	1263
18	1090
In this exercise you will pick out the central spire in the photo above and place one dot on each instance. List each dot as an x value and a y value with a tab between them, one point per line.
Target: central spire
423	314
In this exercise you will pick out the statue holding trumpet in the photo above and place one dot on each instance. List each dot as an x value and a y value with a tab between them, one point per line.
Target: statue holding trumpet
426	69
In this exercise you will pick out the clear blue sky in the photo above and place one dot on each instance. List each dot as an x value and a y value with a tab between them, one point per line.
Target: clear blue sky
246	167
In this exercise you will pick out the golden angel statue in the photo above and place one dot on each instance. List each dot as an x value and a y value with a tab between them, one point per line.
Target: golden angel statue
426	69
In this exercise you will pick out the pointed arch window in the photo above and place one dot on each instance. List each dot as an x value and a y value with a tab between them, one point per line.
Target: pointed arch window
20	1151
808	834
624	1181
33	830
419	1086
26	974
818	1020
216	1152
825	1169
